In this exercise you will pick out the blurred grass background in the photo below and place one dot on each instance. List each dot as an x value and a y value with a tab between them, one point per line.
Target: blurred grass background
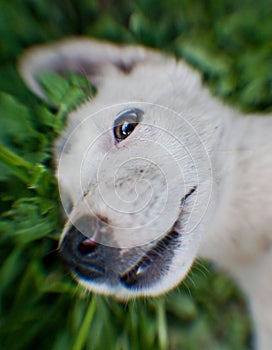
230	42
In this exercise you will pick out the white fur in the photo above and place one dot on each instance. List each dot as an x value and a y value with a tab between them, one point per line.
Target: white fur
187	138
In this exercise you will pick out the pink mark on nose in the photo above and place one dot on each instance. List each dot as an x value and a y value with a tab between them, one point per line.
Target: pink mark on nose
87	246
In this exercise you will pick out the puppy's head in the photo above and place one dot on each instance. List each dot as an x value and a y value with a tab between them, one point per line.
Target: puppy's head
132	165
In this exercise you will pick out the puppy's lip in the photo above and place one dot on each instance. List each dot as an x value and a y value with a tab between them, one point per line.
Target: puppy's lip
141	268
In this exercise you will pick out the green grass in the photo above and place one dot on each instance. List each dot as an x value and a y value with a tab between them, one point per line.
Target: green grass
230	43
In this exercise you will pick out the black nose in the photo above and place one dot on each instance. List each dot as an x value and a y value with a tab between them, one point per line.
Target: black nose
86	258
82	255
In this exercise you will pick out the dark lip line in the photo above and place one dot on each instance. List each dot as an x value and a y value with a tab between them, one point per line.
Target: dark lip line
169	240
188	194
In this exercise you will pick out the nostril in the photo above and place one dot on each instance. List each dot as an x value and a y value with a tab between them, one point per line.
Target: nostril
87	246
83	255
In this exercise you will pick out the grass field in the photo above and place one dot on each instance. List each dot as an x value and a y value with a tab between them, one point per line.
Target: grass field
230	42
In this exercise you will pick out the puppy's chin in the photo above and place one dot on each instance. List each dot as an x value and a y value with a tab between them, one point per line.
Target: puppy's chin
123	294
155	287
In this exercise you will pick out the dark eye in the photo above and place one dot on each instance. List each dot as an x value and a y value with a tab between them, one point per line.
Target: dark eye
126	122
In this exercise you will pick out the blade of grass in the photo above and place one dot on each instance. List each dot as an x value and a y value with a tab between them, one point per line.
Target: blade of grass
162	325
19	166
83	332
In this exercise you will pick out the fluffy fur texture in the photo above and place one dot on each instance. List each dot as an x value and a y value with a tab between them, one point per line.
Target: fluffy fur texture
192	179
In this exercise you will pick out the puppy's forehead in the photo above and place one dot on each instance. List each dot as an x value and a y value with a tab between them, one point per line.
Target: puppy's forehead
142	84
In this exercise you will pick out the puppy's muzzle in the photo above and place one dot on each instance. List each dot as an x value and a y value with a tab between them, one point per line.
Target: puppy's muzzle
101	264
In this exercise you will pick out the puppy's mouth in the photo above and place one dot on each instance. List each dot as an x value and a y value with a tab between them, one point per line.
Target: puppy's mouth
153	260
108	269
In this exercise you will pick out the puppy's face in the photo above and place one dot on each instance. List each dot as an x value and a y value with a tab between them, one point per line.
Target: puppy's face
134	174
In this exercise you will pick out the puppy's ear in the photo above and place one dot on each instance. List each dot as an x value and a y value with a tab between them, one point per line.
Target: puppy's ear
90	58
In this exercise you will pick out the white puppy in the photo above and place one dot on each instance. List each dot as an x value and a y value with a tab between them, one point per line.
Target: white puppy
153	172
